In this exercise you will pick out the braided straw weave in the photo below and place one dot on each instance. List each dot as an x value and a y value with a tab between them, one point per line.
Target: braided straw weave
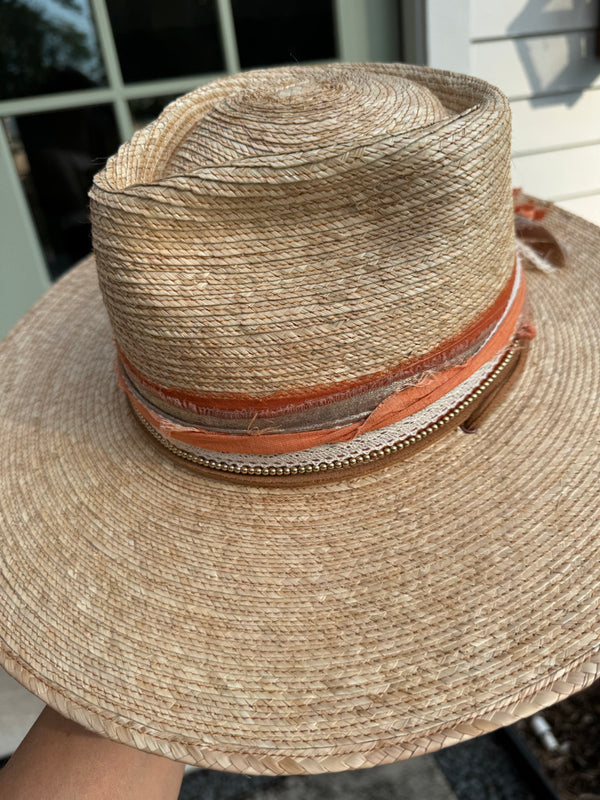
289	225
312	628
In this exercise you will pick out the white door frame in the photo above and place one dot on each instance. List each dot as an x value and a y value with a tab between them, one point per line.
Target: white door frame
446	28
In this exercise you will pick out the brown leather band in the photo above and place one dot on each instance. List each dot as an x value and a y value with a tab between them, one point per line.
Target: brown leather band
490	401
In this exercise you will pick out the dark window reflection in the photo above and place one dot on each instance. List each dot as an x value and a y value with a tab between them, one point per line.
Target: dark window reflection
165	38
146	109
47	46
57	155
277	32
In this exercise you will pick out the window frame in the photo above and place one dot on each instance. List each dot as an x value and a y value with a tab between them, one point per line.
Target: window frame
365	30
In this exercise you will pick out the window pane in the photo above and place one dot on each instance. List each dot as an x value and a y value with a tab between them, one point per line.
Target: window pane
47	46
146	109
57	155
165	38
276	32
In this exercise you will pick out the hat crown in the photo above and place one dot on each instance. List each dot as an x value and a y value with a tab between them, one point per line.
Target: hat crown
302	111
301	227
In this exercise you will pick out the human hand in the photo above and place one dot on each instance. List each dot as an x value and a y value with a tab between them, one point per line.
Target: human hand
61	760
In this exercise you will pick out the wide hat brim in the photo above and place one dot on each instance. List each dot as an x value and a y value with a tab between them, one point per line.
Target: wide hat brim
309	629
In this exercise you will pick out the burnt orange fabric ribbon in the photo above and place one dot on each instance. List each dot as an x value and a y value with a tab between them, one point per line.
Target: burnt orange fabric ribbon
394	408
246	406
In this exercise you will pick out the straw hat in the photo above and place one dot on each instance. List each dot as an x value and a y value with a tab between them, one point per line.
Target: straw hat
240	524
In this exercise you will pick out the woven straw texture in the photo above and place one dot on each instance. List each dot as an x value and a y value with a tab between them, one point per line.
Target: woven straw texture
320	223
308	629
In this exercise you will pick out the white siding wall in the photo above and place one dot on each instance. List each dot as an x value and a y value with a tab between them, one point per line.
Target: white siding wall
542	54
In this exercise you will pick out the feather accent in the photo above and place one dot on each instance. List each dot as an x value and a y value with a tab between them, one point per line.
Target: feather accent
536	246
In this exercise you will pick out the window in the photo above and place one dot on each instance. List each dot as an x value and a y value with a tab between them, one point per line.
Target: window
79	76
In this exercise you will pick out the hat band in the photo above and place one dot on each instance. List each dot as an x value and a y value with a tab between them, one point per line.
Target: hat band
398	418
366	451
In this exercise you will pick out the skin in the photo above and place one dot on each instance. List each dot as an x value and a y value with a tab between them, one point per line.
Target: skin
60	760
